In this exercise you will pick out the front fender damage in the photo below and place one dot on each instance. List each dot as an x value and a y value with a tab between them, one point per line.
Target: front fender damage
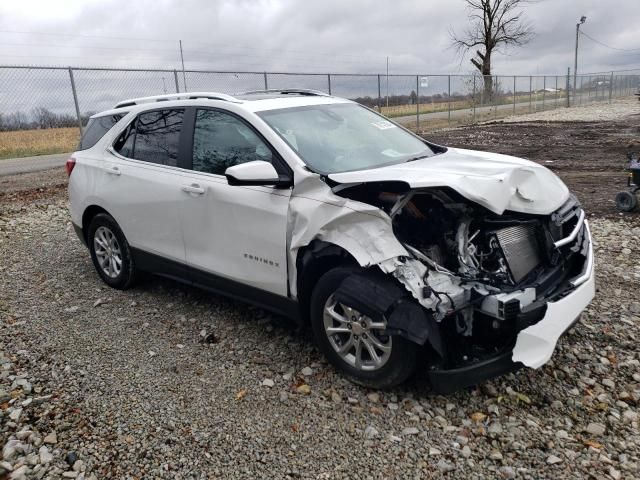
366	232
316	213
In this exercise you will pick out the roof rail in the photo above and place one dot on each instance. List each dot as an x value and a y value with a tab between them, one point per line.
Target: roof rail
177	96
288	91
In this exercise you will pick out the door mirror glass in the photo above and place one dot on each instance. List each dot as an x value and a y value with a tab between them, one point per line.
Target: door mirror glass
257	172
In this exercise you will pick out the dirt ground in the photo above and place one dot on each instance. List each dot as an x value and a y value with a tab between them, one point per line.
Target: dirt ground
591	157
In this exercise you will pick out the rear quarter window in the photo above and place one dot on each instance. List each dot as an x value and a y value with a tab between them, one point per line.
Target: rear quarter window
96	128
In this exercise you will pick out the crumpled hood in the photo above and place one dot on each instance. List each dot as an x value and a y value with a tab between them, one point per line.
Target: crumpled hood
497	182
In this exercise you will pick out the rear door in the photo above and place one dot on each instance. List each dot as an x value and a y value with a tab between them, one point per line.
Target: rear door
234	235
141	184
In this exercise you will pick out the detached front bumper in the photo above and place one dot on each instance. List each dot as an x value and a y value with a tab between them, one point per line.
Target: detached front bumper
535	344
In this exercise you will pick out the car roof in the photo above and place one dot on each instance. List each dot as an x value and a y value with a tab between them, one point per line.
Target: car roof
113	111
252	101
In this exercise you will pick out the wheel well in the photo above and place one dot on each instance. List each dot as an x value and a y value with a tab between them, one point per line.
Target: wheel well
313	261
88	215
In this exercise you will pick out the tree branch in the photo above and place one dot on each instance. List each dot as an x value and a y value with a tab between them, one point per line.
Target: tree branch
492	24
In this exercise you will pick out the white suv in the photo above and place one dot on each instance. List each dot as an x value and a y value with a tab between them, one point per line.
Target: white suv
395	250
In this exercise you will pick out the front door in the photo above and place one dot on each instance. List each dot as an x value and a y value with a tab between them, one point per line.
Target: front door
235	234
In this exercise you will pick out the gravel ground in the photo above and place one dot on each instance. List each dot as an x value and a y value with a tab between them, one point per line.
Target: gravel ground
583	113
165	381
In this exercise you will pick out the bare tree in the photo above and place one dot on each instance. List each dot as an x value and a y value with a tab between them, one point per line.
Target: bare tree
495	24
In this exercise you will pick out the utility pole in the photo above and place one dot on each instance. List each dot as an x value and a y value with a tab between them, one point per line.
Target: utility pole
575	61
387	83
184	77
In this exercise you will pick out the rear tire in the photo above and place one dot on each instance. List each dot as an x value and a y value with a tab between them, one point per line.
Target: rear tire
397	357
110	252
626	201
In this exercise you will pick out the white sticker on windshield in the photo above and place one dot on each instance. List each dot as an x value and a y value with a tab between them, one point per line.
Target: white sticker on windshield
383	124
391	153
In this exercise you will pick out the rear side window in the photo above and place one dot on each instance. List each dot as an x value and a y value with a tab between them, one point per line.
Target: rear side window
153	137
96	128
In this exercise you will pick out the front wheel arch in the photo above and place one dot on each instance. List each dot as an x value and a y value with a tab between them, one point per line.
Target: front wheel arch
313	261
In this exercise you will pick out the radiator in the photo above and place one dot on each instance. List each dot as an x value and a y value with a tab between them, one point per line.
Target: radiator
520	248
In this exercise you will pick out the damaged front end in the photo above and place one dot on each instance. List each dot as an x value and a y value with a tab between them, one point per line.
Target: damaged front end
490	292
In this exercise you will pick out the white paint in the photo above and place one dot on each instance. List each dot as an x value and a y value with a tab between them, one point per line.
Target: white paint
497	182
253	171
535	344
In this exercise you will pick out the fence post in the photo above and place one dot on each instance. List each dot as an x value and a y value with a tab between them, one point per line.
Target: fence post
530	92
329	82
544	90
610	87
417	104
449	96
567	89
379	96
266	84
175	78
473	99
514	94
75	99
555	97
495	98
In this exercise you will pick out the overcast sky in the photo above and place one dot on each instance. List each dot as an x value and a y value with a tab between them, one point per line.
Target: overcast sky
304	35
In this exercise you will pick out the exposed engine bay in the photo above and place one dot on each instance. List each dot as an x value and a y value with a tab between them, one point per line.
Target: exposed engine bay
483	276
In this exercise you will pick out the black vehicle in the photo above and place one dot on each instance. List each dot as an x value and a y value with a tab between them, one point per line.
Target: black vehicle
627	200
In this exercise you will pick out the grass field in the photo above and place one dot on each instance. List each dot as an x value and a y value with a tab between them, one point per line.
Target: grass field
393	111
25	143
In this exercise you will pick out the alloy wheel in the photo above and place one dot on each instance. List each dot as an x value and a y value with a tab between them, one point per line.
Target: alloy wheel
108	252
359	340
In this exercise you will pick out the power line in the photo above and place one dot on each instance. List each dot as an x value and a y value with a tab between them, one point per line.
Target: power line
608	46
224	64
225	57
59	34
165	40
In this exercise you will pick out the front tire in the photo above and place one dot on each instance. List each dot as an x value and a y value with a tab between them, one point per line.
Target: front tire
356	344
110	252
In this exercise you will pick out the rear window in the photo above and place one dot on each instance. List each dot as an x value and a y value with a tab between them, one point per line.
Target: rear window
96	128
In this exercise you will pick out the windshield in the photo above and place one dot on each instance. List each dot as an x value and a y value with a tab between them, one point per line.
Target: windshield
343	137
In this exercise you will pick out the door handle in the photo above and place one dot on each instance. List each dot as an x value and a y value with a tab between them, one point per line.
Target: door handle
113	170
193	188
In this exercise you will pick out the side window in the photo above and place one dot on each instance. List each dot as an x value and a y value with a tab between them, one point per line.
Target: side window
220	140
124	143
152	137
158	137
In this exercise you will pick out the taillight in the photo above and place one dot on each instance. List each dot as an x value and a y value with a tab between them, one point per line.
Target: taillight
69	165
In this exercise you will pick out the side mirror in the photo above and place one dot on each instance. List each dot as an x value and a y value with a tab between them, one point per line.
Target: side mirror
254	173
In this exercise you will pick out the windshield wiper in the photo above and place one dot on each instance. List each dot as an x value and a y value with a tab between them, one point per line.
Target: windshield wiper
412	159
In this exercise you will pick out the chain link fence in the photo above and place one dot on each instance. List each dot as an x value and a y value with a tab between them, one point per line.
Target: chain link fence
50	97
